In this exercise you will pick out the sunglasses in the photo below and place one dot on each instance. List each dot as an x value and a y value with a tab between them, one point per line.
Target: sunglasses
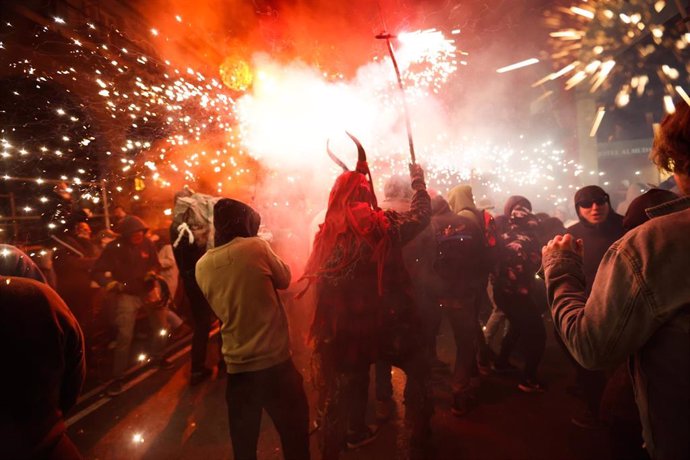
589	203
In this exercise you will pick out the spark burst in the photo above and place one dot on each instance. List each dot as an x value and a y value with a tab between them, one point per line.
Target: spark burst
167	126
623	47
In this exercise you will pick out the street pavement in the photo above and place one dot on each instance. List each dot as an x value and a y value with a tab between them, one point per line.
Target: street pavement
163	417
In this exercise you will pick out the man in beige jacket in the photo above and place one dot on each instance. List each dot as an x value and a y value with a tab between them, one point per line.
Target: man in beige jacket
240	278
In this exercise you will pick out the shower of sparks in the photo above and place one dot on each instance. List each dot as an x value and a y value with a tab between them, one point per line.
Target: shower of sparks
158	126
589	38
427	59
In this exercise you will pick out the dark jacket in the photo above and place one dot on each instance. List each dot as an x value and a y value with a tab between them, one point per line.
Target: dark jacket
186	254
128	264
42	354
597	239
519	254
639	307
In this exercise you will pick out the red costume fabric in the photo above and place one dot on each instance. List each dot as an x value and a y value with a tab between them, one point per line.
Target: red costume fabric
363	288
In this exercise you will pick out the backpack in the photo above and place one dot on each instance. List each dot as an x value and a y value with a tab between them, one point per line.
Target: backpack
193	217
459	247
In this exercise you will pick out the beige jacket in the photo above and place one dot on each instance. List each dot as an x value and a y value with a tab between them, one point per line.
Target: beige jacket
239	280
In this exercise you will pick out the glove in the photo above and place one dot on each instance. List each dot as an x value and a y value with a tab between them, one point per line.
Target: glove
114	286
417	177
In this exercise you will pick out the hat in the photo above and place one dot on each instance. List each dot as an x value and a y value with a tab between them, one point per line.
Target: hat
590	193
637	214
514	201
232	218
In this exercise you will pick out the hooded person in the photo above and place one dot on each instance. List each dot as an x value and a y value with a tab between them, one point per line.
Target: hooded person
13	262
127	268
636	214
518	261
240	278
187	253
365	309
462	268
42	353
598	227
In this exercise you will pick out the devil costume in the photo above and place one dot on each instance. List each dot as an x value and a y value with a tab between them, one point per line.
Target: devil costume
365	308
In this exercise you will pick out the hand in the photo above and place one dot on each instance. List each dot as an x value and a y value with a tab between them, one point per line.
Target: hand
114	286
150	276
417	177
564	243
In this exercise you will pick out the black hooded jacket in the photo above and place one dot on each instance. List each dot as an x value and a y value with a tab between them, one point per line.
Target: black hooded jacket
128	264
597	239
232	218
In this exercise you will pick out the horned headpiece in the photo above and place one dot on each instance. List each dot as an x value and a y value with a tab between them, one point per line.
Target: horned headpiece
362	165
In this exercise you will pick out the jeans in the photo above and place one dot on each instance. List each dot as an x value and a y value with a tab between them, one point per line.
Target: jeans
202	316
526	324
126	307
463	315
343	399
279	391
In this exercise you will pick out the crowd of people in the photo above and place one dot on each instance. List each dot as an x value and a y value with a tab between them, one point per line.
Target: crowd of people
382	277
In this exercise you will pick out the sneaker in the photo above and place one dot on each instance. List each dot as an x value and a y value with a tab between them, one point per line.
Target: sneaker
501	368
115	388
460	407
484	369
362	438
384	409
587	420
199	376
531	386
164	363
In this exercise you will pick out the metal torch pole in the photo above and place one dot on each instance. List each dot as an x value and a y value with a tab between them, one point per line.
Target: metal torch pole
408	124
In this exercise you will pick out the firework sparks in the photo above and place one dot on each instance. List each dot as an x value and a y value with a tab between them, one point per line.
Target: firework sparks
518	65
589	40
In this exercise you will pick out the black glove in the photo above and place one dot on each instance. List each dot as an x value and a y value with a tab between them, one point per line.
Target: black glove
417	177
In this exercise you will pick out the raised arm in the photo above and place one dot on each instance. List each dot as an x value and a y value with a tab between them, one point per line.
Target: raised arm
616	319
406	225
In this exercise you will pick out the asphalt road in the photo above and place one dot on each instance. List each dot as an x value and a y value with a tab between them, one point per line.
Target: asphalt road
162	417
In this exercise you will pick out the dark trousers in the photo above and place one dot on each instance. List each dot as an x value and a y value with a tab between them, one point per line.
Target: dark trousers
343	398
202	316
279	391
464	321
384	382
526	324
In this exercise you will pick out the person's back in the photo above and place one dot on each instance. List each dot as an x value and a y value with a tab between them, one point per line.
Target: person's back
239	280
639	305
42	351
657	254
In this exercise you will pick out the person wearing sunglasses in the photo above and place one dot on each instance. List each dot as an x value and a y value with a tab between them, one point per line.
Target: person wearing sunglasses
598	228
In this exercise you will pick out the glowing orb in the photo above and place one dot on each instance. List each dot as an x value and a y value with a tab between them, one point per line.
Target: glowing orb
236	73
